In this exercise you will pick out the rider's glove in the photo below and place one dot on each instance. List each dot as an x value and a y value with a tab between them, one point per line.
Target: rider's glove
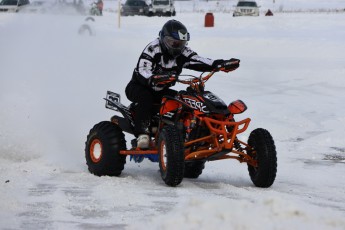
217	63
159	82
227	65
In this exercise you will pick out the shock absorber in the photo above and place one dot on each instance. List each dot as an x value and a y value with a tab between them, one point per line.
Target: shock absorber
237	145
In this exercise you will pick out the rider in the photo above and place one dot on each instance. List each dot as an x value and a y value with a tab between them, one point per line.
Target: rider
162	58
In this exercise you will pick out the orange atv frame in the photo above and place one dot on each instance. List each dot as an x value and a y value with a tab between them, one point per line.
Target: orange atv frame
218	132
219	141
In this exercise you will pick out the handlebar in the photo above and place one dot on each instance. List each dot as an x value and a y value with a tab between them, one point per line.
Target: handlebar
195	82
226	66
196	79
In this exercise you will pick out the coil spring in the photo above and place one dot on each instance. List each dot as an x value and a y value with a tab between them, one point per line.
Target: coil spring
238	146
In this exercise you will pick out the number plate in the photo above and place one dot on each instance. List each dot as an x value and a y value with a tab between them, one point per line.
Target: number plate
111	99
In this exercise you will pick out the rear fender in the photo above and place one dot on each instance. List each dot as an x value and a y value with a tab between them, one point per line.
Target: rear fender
123	123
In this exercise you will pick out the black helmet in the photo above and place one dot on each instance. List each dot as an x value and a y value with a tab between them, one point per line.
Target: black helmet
173	37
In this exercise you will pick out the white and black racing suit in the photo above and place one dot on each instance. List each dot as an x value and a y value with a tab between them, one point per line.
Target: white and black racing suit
153	62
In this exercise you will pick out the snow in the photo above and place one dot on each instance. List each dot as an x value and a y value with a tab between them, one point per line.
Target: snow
51	88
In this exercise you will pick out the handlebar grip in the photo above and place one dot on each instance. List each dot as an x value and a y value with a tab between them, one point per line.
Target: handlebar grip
230	65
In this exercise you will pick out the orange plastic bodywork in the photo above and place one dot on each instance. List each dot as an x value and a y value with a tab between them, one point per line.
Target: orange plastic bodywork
169	105
237	107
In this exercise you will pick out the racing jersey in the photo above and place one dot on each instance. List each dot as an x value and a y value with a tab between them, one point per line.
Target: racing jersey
152	61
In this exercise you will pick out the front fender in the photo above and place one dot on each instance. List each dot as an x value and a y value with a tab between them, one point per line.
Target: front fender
170	104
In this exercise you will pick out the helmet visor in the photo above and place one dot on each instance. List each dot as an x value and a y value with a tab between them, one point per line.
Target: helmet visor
172	43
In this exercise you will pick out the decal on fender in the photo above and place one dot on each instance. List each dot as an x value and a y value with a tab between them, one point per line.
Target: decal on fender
196	105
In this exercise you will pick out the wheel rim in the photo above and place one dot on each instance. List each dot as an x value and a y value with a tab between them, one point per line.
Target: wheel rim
96	150
164	157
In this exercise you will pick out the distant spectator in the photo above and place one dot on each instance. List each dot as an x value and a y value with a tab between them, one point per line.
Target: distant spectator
99	4
269	13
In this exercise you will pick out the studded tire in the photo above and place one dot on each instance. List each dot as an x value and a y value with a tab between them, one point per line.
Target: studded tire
264	151
193	169
171	155
102	149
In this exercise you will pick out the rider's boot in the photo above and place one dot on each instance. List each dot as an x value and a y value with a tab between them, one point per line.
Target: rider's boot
142	130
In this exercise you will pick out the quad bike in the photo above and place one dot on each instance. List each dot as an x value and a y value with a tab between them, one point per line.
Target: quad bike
186	131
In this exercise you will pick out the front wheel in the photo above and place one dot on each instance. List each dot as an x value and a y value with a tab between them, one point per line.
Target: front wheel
171	155
264	151
102	149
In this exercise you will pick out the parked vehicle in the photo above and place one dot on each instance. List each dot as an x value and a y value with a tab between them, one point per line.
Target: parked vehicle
162	8
246	8
135	7
12	5
154	8
188	130
35	7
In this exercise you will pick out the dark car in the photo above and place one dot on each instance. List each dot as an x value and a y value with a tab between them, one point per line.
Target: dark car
12	5
135	7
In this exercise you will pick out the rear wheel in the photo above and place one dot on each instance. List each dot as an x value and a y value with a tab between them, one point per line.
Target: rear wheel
102	149
171	155
264	151
193	169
